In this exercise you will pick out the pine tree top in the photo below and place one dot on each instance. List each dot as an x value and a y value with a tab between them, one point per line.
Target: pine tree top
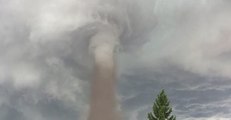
161	108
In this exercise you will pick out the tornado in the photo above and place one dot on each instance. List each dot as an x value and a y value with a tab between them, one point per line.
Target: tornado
113	29
103	101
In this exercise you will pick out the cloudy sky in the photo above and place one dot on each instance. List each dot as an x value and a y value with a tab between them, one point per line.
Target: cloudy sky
182	46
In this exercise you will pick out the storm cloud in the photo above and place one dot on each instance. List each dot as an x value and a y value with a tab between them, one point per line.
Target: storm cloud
45	65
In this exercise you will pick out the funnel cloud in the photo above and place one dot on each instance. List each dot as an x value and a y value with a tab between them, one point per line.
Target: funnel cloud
102	47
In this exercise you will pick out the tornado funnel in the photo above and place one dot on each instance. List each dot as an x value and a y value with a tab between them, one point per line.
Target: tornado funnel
103	101
114	25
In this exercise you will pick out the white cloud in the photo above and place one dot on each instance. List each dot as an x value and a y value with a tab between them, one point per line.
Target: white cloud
193	35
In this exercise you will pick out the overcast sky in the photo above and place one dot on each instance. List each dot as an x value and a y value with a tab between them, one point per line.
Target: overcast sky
182	46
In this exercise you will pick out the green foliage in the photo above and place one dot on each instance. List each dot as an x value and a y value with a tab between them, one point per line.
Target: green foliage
161	109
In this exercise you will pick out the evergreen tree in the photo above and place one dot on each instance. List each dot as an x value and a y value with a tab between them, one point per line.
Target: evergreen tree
161	108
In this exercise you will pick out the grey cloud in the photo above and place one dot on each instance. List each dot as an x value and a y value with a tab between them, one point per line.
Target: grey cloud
188	32
45	67
8	113
192	95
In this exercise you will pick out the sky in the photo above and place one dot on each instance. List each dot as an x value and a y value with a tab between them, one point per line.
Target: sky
182	46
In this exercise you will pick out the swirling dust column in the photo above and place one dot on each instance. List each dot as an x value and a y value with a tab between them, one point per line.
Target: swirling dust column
103	101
